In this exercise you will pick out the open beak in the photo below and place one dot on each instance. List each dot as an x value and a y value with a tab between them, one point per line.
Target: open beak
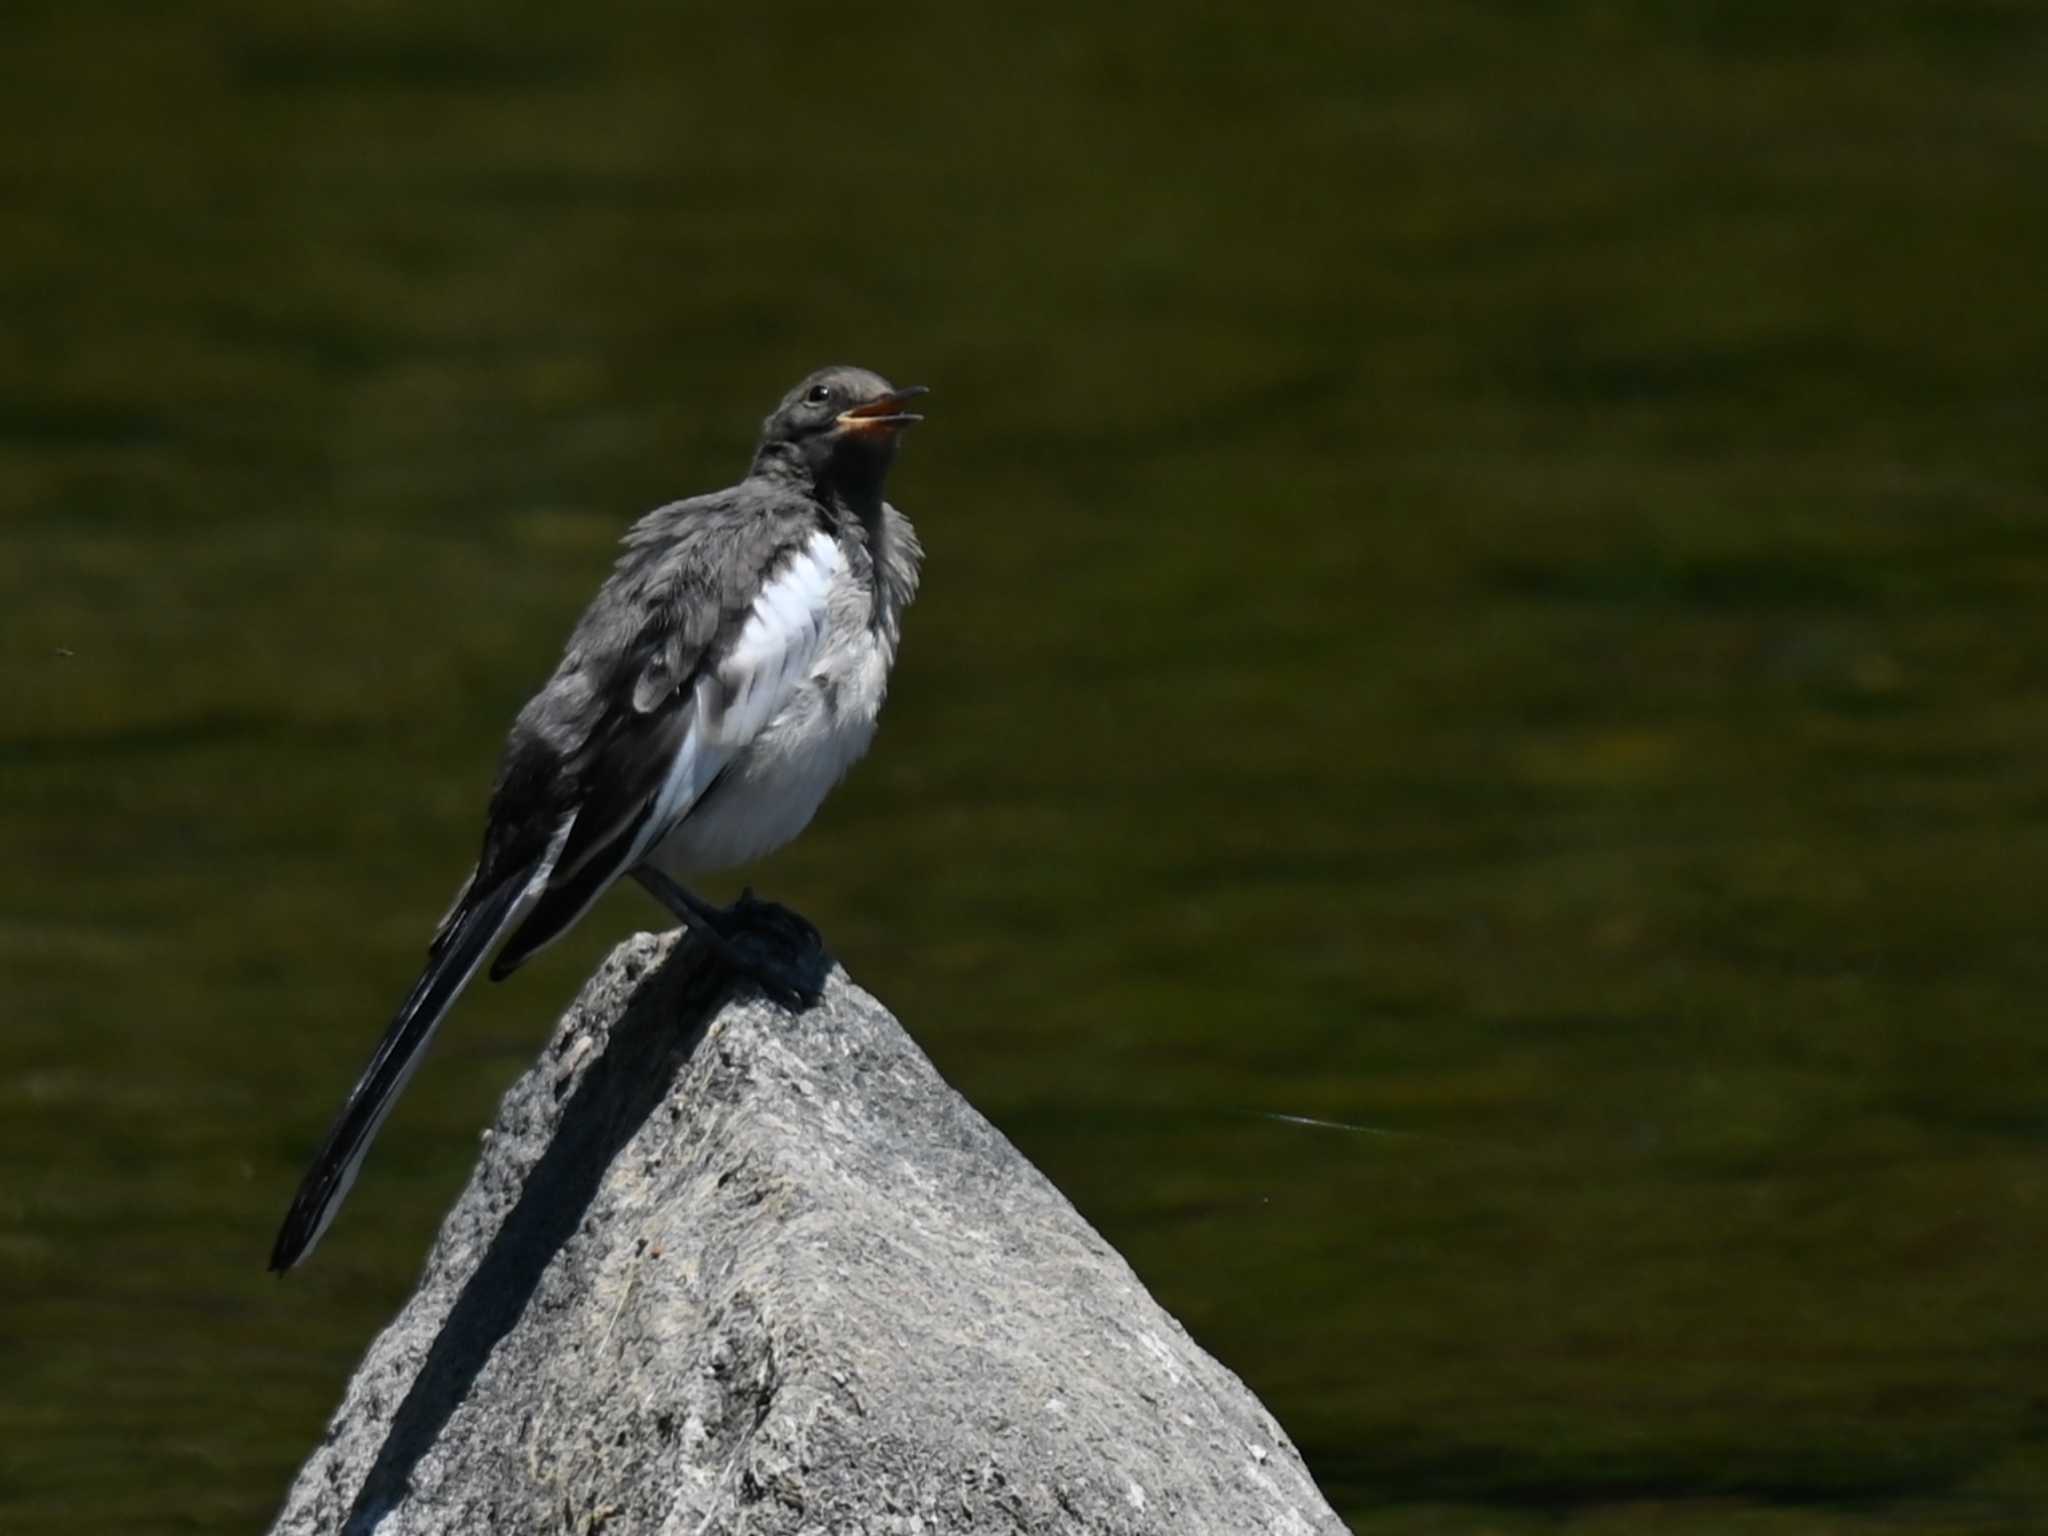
883	417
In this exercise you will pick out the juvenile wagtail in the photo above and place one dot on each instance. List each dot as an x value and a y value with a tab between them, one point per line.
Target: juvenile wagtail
725	677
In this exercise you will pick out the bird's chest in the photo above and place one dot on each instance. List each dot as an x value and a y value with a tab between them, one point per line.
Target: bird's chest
771	790
826	726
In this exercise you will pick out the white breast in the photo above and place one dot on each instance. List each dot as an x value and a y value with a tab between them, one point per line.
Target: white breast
768	790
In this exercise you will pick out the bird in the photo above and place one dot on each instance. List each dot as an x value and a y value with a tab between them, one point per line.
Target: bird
725	677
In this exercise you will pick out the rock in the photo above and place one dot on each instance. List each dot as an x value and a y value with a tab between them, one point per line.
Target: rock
722	1269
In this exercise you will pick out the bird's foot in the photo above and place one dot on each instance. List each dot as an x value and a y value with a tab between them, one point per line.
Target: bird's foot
778	950
792	930
770	945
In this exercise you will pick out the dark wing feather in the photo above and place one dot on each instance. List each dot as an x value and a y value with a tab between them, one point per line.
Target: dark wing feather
614	809
681	593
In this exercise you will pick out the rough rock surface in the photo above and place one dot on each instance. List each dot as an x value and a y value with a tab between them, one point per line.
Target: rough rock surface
725	1270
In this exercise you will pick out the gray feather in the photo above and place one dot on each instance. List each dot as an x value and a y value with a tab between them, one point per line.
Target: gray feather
603	763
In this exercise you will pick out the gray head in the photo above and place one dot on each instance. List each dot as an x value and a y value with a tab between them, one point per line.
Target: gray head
838	430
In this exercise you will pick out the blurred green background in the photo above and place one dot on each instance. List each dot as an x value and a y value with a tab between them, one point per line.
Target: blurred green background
1487	573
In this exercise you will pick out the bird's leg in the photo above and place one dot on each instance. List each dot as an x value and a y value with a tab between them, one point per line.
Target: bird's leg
688	908
728	931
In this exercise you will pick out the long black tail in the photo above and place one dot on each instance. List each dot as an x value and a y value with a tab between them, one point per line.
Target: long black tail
458	950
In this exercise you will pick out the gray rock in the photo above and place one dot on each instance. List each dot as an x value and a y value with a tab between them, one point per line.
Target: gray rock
725	1270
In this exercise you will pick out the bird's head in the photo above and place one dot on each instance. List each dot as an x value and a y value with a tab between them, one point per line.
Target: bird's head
838	427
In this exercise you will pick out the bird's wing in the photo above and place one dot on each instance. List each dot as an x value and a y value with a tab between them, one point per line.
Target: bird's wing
678	722
668	676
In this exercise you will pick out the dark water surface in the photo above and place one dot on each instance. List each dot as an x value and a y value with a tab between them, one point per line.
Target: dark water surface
1487	573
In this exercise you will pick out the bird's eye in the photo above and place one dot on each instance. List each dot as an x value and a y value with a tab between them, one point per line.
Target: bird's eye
817	394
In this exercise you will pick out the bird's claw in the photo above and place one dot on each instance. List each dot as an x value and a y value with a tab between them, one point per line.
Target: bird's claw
774	948
788	929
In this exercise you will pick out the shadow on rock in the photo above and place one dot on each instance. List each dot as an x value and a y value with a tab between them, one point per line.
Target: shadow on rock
671	1009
